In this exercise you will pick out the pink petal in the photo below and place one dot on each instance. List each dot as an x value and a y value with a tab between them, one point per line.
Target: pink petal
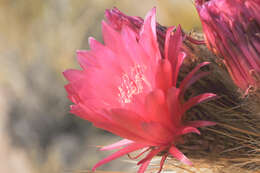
188	78
188	129
132	126
164	75
179	155
118	43
117	145
149	132
154	105
173	43
174	106
168	40
198	99
173	52
159	120
95	56
149	26
164	157
72	94
83	113
160	133
132	48
111	38
144	166
128	149
191	81
177	66
117	20
73	75
122	132
148	38
86	59
83	92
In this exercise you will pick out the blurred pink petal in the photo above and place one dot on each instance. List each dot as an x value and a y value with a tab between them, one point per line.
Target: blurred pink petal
231	29
117	145
179	155
144	166
126	150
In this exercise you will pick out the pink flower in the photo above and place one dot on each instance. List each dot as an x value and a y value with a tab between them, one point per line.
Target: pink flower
232	31
127	88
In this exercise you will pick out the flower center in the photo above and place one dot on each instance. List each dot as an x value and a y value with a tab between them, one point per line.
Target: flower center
132	83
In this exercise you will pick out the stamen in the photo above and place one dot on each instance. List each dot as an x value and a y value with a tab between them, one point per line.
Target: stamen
132	83
164	157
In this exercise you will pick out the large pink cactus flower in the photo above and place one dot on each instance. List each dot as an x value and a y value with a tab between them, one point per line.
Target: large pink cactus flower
232	31
127	88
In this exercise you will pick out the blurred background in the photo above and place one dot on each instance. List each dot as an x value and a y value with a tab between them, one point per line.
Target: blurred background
38	40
